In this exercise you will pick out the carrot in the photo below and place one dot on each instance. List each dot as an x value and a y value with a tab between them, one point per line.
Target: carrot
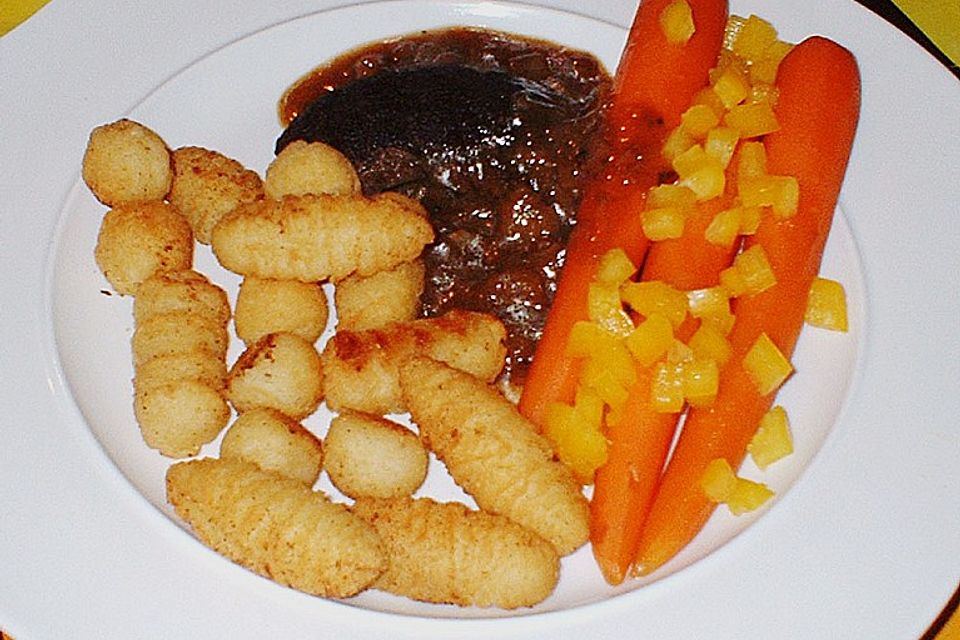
654	83
639	440
818	110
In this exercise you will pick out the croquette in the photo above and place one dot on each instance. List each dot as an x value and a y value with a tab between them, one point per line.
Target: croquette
361	368
266	305
126	162
372	456
319	237
493	453
207	185
310	167
280	371
371	302
448	553
187	292
169	333
274	442
136	240
196	364
179	417
276	526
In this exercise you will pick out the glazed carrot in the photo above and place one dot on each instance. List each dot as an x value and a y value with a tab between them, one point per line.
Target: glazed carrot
639	441
654	83
818	110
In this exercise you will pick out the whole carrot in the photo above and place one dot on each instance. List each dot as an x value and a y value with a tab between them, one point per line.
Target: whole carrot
818	109
654	83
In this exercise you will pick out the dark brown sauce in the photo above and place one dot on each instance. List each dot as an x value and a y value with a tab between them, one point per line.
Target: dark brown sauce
502	194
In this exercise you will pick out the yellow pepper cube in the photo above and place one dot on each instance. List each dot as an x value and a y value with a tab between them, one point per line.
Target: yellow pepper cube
733	282
781	193
605	309
708	97
615	268
676	143
698	120
763	91
701	172
650	340
701	380
766	365
679	353
747	496
710	301
731	87
576	434
671	195
709	344
755	269
722	320
827	305
666	391
718	480
605	381
676	22
656	297
772	440
724	228
663	223
753	160
721	142
750	220
588	338
754	36
752	119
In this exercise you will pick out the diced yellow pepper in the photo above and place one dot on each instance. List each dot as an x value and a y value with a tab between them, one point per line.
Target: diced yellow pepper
701	379
752	119
679	353
733	282
724	228
763	91
663	223
701	172
698	120
656	297
605	309
651	339
721	142
710	301
718	480
750	220
747	496
786	196
827	305
732	30
707	96
722	320
731	87
666	391
709	344
606	382
766	365
614	268
753	38
765	69
755	269
676	143
576	434
781	193
753	160
772	440
671	195
676	21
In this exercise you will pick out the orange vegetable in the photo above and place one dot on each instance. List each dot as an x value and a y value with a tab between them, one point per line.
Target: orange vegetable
654	83
818	109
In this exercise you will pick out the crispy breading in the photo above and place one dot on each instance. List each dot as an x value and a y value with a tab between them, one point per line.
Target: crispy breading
138	239
371	456
371	302
177	332
276	526
177	418
281	371
319	237
207	185
126	162
181	291
274	442
266	305
310	167
447	553
494	453
362	367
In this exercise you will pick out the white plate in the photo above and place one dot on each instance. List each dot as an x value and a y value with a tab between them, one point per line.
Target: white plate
864	539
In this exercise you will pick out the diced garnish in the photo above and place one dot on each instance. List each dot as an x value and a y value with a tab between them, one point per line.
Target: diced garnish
754	36
766	365
698	120
724	228
721	142
666	392
651	339
710	301
615	268
605	309
772	440
718	480
731	87
655	297
701	172
709	344
576	434
752	119
701	379
755	269
747	496
753	160
676	21
827	305
663	223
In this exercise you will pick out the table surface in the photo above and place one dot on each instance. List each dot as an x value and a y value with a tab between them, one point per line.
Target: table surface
934	24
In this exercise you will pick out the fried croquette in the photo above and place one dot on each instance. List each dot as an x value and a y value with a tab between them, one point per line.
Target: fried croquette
493	453
372	456
177	418
196	364
126	162
266	305
361	368
276	526
187	292
371	302
274	442
447	553
281	371
310	167
169	333
207	185
136	240
319	237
